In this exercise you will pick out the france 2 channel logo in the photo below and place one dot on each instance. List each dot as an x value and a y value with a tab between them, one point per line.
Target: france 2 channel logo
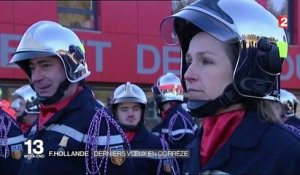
283	21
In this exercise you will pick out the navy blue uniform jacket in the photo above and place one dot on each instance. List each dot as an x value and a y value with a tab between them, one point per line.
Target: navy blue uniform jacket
13	143
293	123
179	129
67	130
178	132
144	140
255	147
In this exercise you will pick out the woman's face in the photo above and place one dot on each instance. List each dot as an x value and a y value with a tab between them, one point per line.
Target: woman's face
209	67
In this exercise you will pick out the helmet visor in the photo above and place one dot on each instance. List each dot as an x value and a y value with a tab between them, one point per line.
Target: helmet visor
172	27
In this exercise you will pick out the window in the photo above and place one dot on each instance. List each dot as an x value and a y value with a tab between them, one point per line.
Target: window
77	14
177	5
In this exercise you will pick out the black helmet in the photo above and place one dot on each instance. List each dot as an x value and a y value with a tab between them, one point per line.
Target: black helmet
262	45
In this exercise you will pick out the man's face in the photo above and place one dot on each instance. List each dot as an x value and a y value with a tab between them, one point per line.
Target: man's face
129	113
46	75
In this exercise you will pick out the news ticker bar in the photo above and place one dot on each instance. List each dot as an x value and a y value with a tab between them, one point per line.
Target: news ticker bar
125	153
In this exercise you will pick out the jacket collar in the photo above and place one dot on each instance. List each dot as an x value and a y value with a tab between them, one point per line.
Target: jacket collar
85	95
249	132
140	134
246	136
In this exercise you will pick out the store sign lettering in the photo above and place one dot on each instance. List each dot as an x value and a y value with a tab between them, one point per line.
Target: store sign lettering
159	60
99	46
293	68
5	48
146	53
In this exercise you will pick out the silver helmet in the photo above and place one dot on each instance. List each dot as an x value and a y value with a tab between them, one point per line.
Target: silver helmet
261	44
48	38
129	93
26	93
289	102
168	88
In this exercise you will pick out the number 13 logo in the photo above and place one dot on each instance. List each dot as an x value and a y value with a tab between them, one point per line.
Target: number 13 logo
39	149
283	21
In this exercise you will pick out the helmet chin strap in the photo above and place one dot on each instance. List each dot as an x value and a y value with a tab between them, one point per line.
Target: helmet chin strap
59	94
205	108
132	127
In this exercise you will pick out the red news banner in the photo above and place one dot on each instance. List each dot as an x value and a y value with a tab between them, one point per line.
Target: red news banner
283	21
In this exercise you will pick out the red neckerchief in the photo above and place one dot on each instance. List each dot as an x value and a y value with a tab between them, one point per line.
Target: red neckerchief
130	135
216	131
48	111
25	127
164	114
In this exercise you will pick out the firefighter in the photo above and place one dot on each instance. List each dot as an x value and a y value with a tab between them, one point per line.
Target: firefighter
129	104
232	54
5	105
289	103
11	144
26	107
70	119
177	126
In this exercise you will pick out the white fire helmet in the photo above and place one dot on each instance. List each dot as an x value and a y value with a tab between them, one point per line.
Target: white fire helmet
129	93
289	102
28	95
48	38
168	88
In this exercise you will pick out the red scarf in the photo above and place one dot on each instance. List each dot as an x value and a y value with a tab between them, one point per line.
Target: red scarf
216	131
164	114
130	135
25	127
48	111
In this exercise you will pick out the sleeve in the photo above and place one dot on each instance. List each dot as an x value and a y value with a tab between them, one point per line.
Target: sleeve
11	145
181	130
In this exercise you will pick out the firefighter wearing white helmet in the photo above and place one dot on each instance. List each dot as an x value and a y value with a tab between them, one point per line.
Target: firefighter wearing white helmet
60	42
26	106
232	54
176	126
289	104
70	118
130	93
129	104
